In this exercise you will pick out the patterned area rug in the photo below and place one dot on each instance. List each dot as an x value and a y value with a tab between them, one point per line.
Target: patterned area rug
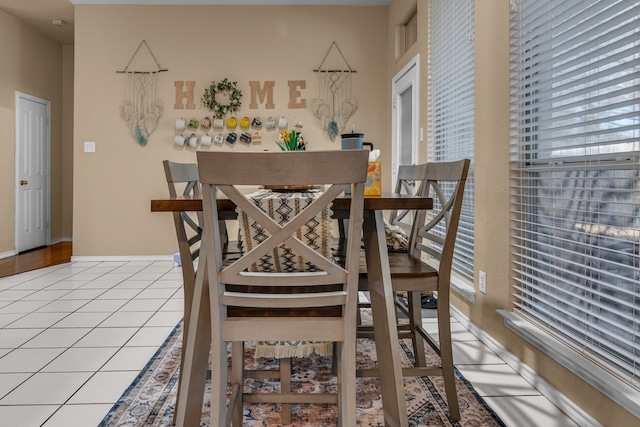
149	401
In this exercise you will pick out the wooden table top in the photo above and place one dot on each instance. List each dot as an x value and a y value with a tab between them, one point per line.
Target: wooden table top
385	202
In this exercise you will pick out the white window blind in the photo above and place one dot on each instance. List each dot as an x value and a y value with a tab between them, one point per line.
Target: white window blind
576	187
451	106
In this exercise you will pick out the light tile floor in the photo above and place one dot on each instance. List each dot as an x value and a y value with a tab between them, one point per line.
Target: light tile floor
74	336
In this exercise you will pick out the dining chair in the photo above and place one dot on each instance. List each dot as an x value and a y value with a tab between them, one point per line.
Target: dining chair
182	180
186	175
426	267
188	232
249	305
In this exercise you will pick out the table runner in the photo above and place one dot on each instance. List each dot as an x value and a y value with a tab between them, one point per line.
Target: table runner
281	206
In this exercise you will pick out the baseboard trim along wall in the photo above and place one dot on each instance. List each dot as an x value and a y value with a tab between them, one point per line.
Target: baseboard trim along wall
53	242
60	240
121	258
606	383
572	410
8	254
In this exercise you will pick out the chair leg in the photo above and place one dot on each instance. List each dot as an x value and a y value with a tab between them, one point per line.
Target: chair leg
285	387
188	297
346	361
415	322
334	358
237	370
446	355
219	381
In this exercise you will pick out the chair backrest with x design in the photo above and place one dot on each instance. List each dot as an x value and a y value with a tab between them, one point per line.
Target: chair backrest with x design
431	243
410	182
299	294
188	228
434	232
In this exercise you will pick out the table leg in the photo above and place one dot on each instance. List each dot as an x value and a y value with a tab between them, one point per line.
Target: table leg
196	356
188	278
384	320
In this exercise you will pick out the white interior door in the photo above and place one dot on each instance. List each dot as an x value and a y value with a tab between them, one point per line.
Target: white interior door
32	172
405	93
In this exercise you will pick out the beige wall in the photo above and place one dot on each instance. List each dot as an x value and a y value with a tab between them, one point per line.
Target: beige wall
67	137
113	186
33	65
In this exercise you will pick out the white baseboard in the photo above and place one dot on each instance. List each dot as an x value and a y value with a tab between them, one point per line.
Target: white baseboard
606	383
8	254
120	258
53	242
573	411
60	240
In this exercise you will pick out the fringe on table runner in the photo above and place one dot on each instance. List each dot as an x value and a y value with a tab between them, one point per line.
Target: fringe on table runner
286	349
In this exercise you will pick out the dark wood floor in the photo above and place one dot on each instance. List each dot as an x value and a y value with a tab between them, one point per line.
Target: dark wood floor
59	253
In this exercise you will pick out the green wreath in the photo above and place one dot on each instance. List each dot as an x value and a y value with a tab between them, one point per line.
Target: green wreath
209	97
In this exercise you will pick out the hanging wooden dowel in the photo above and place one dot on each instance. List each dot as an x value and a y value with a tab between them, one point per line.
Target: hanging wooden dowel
334	71
141	72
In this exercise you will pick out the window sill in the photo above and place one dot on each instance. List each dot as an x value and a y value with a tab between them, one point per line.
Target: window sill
463	288
618	391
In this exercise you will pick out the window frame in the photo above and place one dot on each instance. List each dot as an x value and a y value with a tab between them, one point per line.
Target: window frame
557	139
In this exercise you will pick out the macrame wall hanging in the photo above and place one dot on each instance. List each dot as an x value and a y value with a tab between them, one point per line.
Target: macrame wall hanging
334	104
141	108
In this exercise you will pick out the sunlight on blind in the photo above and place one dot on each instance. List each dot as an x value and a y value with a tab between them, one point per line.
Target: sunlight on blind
451	106
576	187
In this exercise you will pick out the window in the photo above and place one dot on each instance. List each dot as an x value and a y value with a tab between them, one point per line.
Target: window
575	155
451	106
411	30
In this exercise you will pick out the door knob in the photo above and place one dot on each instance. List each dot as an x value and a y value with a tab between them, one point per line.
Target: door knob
23	182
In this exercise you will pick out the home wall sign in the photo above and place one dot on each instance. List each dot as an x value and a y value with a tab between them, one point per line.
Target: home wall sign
184	93
261	94
294	94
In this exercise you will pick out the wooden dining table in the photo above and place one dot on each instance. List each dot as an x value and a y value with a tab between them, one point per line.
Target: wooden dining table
379	283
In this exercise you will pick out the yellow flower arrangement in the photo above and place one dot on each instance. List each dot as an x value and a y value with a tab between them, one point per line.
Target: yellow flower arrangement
291	141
